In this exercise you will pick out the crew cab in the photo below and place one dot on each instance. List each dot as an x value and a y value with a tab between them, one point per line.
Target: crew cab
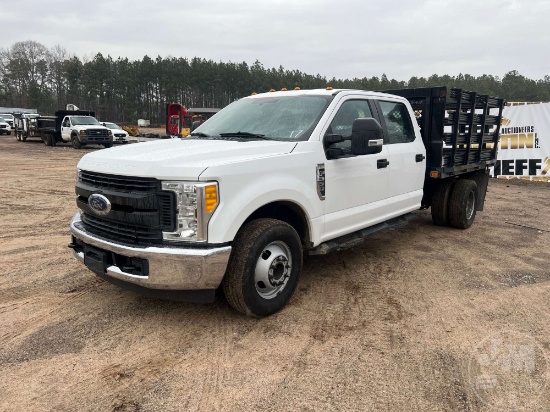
275	175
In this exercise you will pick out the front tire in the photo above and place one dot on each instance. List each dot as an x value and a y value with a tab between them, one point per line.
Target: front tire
463	204
76	142
264	267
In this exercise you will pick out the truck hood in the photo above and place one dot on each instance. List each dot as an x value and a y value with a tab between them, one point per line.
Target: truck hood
179	159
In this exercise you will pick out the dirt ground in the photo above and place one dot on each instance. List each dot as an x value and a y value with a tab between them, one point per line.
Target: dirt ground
421	319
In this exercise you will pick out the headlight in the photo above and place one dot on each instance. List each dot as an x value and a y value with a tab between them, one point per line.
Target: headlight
78	175
83	132
196	202
109	133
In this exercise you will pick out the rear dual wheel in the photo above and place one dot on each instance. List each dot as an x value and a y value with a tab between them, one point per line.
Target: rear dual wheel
454	203
463	204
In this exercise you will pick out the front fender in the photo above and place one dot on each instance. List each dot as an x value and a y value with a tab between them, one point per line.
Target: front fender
244	192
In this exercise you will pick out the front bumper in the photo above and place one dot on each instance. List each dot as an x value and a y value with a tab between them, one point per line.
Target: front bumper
87	139
169	268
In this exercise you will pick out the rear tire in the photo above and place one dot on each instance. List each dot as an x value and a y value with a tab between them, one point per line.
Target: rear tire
48	139
440	203
264	267
463	204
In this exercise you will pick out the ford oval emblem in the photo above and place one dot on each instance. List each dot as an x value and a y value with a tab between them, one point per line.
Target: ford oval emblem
99	204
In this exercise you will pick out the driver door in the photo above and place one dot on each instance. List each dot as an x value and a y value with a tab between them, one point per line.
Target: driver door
356	187
66	129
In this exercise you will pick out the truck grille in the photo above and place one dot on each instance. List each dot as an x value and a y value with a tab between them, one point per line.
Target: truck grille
140	210
120	183
98	133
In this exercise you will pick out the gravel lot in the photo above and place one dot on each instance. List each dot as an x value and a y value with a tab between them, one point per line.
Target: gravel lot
421	319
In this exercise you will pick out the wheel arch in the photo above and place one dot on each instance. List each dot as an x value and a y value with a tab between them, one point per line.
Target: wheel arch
288	212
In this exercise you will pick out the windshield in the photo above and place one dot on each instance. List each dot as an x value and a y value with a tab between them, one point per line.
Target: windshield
271	117
112	125
77	120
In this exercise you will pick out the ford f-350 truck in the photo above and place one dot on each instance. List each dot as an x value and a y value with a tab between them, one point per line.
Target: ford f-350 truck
271	176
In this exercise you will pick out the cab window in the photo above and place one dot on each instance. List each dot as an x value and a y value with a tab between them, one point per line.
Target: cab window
398	122
343	120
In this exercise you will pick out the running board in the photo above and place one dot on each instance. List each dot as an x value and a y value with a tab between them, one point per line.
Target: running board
356	238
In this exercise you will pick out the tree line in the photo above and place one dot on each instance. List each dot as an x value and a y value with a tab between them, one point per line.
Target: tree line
33	76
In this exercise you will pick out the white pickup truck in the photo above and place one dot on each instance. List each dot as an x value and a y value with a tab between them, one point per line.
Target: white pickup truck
235	205
77	127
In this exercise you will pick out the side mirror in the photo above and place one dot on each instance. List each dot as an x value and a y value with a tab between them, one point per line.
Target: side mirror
366	137
333	138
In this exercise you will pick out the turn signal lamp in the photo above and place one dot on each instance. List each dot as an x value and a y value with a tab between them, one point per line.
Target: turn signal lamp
434	174
211	198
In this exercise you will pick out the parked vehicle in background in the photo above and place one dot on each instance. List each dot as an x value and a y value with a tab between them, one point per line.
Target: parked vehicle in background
8	118
78	127
119	135
25	125
272	175
5	127
181	121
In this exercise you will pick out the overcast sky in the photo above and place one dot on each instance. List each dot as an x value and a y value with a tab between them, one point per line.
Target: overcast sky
338	38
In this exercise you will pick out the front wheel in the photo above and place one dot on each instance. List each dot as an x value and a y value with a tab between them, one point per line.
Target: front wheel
107	145
264	267
75	141
463	204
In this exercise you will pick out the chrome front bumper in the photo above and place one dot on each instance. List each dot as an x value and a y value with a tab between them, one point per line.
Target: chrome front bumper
170	268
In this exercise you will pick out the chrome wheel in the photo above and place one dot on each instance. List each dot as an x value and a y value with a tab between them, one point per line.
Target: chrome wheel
273	269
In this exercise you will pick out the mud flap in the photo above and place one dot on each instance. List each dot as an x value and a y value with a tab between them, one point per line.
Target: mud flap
482	181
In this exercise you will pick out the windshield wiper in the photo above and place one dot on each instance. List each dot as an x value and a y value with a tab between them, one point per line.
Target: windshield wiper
244	134
199	134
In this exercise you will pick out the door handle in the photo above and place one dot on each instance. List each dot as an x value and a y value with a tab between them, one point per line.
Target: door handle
420	157
382	163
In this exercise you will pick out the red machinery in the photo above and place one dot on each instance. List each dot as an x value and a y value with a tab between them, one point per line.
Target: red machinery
178	120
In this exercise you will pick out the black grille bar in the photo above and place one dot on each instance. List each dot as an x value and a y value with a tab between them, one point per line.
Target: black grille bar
121	183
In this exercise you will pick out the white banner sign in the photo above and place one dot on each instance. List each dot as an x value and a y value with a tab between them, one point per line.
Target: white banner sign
524	148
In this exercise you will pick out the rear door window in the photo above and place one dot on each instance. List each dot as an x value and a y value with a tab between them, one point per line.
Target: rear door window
398	122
